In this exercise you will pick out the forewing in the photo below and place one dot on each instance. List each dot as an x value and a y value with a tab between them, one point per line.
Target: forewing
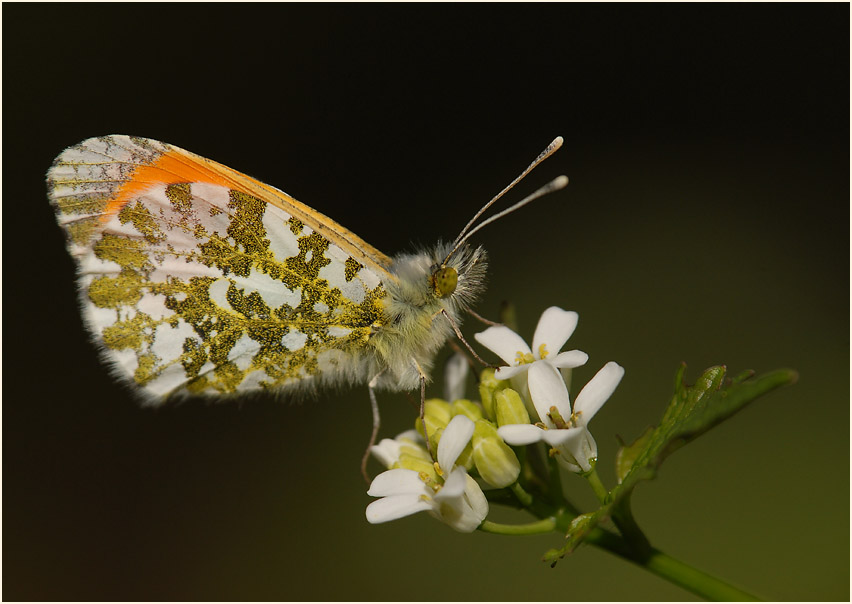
193	281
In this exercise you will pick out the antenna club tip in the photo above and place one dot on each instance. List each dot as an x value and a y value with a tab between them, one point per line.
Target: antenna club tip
557	142
560	182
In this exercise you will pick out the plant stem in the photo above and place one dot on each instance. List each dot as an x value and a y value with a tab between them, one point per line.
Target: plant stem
694	580
671	569
622	516
524	497
544	525
650	558
597	486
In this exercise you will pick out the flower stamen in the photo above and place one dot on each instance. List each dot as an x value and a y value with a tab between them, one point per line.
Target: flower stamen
524	358
575	417
557	420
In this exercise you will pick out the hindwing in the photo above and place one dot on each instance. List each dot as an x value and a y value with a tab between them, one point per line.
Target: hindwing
195	278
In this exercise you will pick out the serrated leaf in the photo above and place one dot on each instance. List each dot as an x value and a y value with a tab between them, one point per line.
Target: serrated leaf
692	411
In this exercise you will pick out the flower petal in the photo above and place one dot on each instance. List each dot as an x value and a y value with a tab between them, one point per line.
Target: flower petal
520	434
460	503
583	449
554	328
503	342
597	392
409	437
548	390
569	359
556	438
397	482
453	441
505	373
454	486
476	498
396	506
387	452
455	377
571	467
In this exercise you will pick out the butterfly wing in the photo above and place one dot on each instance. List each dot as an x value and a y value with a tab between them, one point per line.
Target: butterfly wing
195	278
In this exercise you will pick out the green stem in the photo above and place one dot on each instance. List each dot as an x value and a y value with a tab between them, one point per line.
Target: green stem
600	490
554	480
622	517
545	525
629	547
525	498
671	569
694	580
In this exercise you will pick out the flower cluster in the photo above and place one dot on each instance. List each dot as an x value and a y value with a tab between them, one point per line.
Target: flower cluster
474	438
562	427
444	489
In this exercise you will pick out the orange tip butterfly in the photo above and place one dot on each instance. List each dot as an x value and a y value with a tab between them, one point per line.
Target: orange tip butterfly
196	279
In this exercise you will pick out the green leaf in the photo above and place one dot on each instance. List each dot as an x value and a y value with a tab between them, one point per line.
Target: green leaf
692	411
696	409
627	454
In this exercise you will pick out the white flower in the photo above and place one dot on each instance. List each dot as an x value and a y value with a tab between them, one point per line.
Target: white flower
456	500
554	328
563	428
388	451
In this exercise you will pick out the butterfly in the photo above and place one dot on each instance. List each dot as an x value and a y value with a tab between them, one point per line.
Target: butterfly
196	279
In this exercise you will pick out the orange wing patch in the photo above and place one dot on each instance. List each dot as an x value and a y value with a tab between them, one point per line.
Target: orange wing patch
92	181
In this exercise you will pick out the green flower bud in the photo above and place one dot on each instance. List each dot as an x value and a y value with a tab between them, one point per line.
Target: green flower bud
509	408
466	458
412	450
495	461
437	414
439	410
488	386
467	408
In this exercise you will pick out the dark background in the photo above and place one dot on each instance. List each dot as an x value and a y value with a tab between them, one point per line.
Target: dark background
706	222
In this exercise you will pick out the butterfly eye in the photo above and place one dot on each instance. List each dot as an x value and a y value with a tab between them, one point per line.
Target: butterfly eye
444	281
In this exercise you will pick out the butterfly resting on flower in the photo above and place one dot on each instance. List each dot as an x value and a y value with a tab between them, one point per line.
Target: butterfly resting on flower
196	279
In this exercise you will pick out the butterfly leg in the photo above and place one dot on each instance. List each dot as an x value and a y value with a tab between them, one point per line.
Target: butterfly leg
463	341
423	406
374	405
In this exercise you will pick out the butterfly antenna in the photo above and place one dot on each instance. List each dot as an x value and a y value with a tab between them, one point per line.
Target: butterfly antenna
464	234
560	182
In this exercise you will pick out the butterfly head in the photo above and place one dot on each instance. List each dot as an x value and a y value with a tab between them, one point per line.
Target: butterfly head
459	278
444	281
431	279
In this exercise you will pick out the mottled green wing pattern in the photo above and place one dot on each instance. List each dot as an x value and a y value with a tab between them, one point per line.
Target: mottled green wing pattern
199	288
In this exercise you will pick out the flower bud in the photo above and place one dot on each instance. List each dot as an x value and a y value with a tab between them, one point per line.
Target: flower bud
495	461
488	386
467	408
509	408
437	414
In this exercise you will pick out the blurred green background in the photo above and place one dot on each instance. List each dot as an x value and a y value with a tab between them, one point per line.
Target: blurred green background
706	222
